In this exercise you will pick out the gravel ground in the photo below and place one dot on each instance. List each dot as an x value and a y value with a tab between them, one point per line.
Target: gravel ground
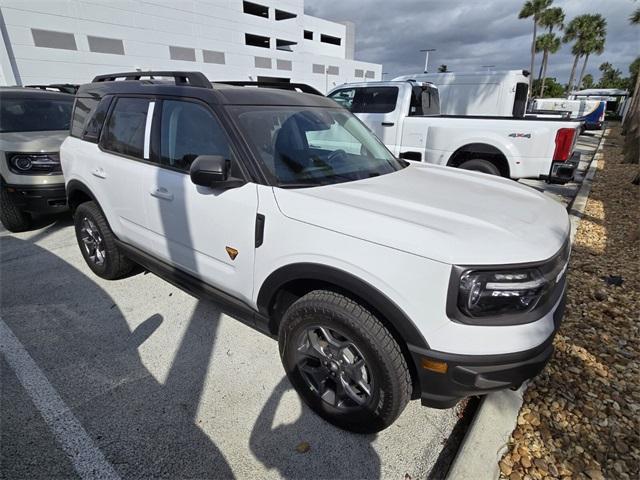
580	416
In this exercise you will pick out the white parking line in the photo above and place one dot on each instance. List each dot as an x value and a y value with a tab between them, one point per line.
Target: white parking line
87	459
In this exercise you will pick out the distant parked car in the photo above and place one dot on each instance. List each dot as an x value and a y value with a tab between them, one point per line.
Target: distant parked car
33	124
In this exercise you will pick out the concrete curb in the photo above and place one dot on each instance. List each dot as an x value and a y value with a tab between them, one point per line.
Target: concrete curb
496	418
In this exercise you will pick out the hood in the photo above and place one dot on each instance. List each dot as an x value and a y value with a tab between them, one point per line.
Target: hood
32	142
445	214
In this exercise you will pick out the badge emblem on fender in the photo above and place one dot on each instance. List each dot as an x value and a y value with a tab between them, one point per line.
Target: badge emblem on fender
520	135
233	253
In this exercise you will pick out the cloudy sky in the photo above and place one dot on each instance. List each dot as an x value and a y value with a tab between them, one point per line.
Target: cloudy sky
470	33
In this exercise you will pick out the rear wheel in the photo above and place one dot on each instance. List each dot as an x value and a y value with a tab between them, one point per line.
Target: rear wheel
480	165
343	362
97	243
12	217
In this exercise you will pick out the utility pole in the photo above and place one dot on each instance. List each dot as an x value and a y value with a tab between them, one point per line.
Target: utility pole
426	60
383	74
488	67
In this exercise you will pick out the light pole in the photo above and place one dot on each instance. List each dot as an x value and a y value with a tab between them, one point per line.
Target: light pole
383	74
488	67
426	60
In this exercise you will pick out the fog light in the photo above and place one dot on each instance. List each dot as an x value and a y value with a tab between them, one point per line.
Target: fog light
434	366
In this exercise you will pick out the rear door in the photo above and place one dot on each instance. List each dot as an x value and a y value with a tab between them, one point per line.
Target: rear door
118	170
376	107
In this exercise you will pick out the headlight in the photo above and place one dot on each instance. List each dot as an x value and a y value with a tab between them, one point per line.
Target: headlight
34	163
484	293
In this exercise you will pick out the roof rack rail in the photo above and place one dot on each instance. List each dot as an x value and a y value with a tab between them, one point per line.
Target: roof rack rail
303	87
194	79
60	87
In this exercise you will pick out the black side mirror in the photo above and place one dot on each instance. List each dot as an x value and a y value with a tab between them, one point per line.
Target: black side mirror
213	171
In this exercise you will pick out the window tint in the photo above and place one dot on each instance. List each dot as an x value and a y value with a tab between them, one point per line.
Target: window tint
81	112
367	99
92	130
35	115
189	130
124	132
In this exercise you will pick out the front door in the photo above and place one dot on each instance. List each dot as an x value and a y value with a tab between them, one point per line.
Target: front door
207	232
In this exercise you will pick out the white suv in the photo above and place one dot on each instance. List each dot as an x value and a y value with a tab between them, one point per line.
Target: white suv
383	280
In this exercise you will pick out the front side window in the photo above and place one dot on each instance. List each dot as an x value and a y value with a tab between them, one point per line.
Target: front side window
188	130
313	146
35	115
367	99
124	132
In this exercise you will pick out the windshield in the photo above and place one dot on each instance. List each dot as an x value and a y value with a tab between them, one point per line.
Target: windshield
314	146
34	115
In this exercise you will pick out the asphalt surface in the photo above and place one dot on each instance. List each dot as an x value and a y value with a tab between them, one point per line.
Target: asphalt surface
137	379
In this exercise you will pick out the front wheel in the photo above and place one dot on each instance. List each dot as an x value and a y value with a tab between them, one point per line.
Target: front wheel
12	217
480	165
343	362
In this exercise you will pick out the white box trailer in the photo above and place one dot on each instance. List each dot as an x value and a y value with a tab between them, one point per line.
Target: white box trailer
498	94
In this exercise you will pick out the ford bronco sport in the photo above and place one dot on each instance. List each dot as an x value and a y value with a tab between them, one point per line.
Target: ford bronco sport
383	280
33	124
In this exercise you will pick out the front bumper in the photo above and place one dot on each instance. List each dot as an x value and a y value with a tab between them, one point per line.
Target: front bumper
38	198
563	172
468	375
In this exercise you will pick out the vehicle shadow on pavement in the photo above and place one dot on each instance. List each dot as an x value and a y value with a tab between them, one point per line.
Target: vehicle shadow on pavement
80	339
323	451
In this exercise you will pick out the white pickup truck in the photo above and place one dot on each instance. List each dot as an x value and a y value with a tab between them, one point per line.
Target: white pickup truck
405	115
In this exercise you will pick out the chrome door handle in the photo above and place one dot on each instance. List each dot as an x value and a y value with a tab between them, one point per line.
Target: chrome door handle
99	172
162	192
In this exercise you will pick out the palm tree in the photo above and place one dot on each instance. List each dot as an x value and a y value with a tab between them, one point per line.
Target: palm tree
595	42
578	31
547	43
550	18
533	8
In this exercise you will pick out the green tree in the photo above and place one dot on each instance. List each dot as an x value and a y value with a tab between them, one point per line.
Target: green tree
578	31
442	68
611	77
547	43
595	42
587	81
552	89
551	18
634	69
534	8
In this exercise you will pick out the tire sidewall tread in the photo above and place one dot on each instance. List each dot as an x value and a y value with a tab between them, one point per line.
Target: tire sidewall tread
392	389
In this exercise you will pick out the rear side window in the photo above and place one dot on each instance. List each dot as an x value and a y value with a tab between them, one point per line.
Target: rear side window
188	130
520	102
88	117
35	115
82	111
367	99
124	131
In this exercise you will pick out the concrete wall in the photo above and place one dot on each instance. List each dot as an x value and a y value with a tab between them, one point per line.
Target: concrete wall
146	30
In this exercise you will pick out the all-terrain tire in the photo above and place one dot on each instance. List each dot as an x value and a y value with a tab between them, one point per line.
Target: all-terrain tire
385	365
114	263
13	218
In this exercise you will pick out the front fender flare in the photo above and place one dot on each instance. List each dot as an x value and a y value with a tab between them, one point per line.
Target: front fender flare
365	292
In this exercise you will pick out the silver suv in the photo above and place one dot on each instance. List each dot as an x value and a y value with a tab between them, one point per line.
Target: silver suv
33	124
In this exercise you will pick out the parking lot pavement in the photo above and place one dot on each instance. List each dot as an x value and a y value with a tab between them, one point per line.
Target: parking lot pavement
587	144
140	377
137	379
